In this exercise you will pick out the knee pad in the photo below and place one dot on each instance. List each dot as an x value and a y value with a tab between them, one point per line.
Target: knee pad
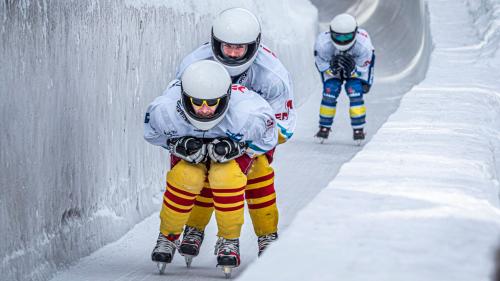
354	88
331	88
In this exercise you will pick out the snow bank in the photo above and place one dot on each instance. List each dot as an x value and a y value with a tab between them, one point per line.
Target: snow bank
76	77
421	200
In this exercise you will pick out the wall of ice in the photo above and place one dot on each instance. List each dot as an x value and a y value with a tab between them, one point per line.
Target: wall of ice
75	79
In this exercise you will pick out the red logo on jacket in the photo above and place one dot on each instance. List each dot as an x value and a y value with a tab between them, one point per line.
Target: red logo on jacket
284	115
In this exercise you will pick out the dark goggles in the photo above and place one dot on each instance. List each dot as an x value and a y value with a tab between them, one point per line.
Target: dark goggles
343	38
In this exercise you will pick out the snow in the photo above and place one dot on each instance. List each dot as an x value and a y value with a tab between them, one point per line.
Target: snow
419	201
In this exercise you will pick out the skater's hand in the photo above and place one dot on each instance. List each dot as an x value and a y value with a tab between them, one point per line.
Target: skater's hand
223	149
335	66
366	88
190	149
347	64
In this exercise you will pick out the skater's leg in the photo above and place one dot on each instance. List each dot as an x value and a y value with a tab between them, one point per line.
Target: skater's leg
202	209
194	232
328	108
227	182
357	109
261	197
184	182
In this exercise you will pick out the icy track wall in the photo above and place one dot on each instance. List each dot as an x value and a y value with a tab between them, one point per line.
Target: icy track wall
75	79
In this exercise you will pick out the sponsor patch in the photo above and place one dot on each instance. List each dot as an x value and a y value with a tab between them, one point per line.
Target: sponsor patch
240	88
269	123
236	137
282	116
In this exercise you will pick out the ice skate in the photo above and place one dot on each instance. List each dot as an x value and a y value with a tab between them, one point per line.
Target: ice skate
228	255
323	133
265	240
358	136
191	243
163	253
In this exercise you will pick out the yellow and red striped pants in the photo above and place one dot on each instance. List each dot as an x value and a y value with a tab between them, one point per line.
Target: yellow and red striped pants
259	194
185	181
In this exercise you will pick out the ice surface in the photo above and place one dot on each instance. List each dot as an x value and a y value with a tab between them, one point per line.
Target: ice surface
420	201
303	168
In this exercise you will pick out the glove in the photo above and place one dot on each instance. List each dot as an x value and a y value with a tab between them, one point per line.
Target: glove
190	149
347	64
335	66
223	150
366	88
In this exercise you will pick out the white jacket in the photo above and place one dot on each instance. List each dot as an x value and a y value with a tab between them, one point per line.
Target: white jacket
267	77
362	52
249	119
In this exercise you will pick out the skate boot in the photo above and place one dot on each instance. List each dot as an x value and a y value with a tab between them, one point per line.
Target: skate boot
164	251
323	133
228	254
191	243
265	240
358	135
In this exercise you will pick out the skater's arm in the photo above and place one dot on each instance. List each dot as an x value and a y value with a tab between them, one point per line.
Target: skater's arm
157	124
262	134
365	58
321	55
282	103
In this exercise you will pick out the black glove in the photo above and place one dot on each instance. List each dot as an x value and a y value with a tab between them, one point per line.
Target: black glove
366	88
347	64
190	149
223	150
335	66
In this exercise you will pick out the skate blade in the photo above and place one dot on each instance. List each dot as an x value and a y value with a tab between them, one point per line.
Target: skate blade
227	270
189	260
321	140
161	267
358	142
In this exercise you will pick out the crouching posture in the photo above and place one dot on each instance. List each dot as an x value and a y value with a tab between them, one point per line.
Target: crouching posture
213	131
344	54
235	43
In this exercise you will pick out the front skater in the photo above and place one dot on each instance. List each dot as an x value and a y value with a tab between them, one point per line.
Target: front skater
213	132
344	54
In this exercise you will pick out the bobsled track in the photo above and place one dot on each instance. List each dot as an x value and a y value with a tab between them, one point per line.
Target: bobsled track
399	31
303	166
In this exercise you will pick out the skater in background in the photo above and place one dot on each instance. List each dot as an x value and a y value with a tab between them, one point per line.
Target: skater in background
235	43
213	130
344	54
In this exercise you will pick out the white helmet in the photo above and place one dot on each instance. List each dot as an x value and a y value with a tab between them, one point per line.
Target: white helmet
343	29
236	26
205	81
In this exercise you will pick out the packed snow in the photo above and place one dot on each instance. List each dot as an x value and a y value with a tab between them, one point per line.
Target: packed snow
421	200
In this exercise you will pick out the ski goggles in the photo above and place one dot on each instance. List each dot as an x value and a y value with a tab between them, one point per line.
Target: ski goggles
210	104
342	38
